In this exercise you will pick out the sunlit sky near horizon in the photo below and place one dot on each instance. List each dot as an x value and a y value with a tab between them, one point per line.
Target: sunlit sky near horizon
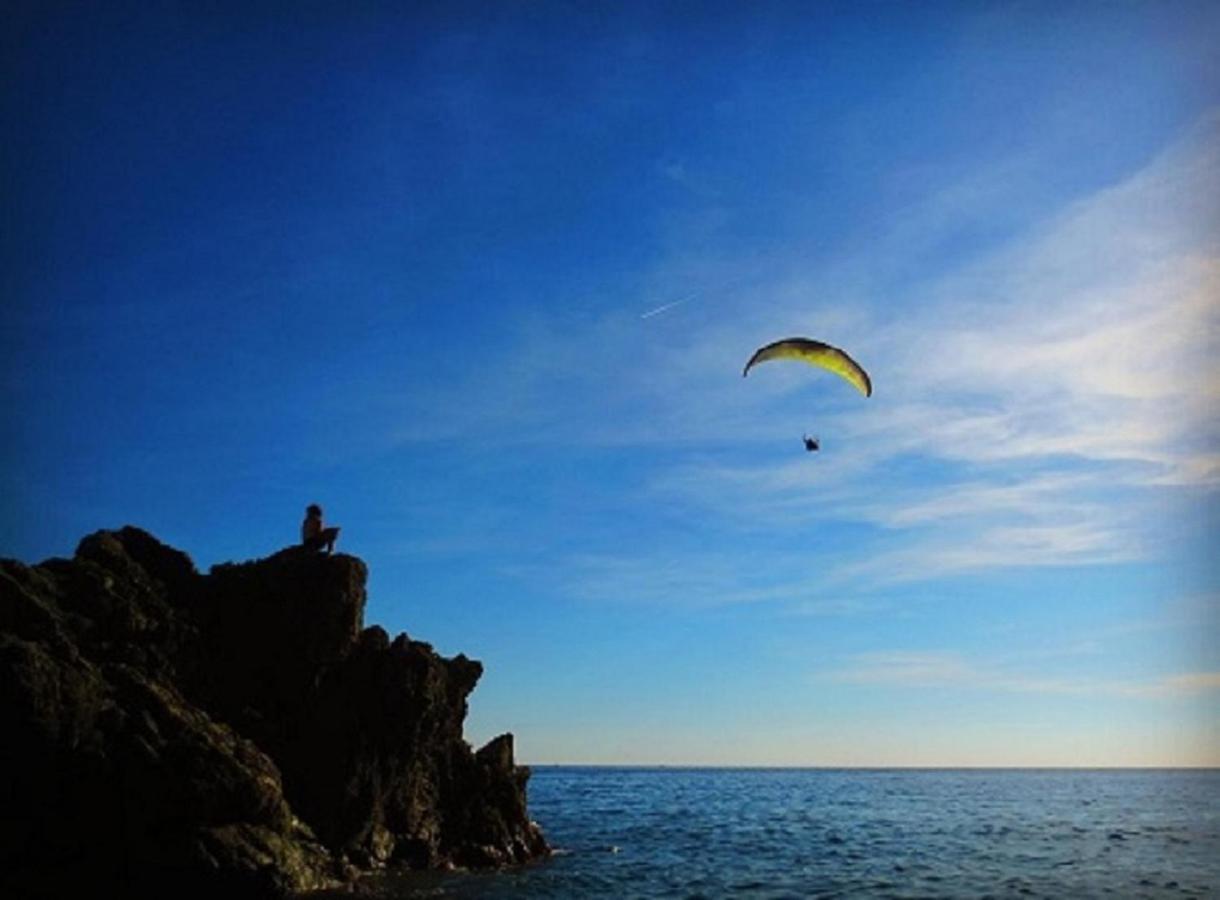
481	280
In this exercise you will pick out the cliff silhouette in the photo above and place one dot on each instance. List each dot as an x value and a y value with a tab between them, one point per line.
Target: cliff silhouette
236	734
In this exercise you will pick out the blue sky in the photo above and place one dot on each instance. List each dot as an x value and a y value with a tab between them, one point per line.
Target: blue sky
480	279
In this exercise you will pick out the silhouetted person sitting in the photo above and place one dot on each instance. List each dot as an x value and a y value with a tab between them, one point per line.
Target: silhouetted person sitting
811	443
313	535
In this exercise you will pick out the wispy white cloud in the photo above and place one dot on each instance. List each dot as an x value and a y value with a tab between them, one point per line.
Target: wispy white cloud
1058	382
686	579
1038	404
965	551
1038	495
1131	376
1186	684
947	670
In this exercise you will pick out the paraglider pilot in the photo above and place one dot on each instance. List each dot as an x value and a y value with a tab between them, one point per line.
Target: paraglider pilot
313	535
811	443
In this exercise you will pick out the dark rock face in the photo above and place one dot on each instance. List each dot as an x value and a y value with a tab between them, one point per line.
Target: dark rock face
235	734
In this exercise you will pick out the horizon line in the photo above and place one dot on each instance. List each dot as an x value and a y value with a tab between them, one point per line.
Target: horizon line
1210	767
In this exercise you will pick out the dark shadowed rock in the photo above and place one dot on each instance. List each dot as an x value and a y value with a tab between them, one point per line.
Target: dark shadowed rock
235	734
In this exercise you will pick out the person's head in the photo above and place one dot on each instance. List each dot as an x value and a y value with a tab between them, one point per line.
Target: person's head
313	510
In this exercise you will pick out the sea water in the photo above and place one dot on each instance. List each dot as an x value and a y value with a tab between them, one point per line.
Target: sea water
797	833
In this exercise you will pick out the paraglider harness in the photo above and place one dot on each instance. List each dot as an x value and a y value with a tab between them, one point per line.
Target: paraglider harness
811	443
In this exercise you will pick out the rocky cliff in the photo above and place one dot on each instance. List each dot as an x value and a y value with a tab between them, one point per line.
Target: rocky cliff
236	734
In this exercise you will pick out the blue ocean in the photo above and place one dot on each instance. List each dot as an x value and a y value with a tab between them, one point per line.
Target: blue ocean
805	833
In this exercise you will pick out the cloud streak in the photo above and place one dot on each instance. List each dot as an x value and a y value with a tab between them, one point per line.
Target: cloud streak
946	670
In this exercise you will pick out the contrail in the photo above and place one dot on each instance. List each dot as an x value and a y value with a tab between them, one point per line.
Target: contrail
661	309
695	296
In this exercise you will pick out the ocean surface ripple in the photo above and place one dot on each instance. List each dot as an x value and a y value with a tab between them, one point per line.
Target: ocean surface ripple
776	834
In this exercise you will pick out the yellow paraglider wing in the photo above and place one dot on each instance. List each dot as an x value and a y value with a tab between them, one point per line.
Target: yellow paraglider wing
816	354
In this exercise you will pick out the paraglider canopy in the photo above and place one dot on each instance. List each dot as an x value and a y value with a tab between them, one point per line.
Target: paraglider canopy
818	354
